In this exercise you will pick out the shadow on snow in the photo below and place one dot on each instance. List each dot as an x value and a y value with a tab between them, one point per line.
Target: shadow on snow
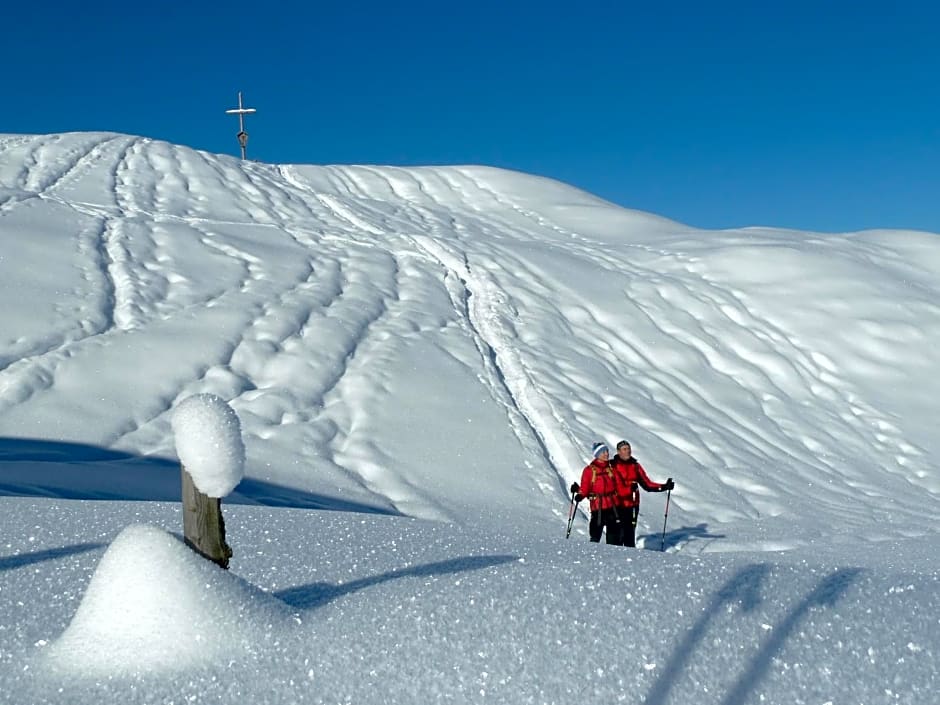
676	537
25	559
318	594
62	470
744	590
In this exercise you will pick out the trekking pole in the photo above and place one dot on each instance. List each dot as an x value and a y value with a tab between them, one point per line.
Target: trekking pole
665	518
572	510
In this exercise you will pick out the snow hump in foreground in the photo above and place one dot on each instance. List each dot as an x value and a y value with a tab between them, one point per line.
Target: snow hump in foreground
153	604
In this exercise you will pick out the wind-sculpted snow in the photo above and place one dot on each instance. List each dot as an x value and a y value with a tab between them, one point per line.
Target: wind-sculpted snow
397	336
430	353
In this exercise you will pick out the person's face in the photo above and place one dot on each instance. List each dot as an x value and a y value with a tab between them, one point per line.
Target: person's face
603	456
624	452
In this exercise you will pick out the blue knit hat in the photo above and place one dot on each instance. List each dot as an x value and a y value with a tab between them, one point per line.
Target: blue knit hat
600	448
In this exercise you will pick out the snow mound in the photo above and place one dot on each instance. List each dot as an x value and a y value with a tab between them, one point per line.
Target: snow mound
154	605
209	443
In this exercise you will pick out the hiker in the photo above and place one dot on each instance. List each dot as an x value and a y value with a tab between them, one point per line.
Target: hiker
599	485
630	474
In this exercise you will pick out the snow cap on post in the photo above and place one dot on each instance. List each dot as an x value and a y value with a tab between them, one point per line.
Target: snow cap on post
209	443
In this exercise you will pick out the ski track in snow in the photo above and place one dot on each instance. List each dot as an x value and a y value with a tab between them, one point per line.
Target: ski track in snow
319	307
478	302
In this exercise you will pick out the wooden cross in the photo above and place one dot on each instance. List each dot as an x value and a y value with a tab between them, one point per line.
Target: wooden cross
241	112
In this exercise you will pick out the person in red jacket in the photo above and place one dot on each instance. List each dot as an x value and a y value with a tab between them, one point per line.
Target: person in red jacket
599	485
630	474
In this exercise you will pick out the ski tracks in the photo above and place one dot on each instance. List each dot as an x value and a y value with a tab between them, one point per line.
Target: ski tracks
488	313
50	175
483	306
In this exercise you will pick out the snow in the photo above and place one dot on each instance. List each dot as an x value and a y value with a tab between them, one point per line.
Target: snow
153	603
209	444
419	361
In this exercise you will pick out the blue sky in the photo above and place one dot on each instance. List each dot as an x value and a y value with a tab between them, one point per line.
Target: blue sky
812	115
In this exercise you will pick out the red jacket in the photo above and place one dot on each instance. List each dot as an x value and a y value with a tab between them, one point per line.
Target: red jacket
599	484
629	474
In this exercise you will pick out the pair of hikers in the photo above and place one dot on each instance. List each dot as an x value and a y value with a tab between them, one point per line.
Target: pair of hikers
612	488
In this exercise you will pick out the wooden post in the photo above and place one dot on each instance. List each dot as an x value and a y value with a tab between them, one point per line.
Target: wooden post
203	526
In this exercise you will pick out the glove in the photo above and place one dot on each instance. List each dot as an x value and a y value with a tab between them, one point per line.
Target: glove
669	486
578	497
574	488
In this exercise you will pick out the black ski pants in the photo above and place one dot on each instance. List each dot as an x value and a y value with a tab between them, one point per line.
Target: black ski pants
609	519
629	516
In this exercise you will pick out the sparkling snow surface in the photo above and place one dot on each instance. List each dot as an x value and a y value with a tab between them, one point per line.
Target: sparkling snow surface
420	360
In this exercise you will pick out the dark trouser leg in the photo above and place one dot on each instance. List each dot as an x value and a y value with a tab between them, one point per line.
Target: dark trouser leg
629	526
615	526
596	527
629	535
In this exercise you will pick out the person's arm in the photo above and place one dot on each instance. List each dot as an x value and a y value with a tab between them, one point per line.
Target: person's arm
647	484
585	487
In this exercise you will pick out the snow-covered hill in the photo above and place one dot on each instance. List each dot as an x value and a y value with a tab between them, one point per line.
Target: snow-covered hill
445	344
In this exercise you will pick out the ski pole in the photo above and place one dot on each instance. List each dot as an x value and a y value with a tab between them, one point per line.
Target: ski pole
665	518
572	510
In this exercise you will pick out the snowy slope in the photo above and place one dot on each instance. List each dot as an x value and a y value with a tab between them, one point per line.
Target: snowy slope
445	344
